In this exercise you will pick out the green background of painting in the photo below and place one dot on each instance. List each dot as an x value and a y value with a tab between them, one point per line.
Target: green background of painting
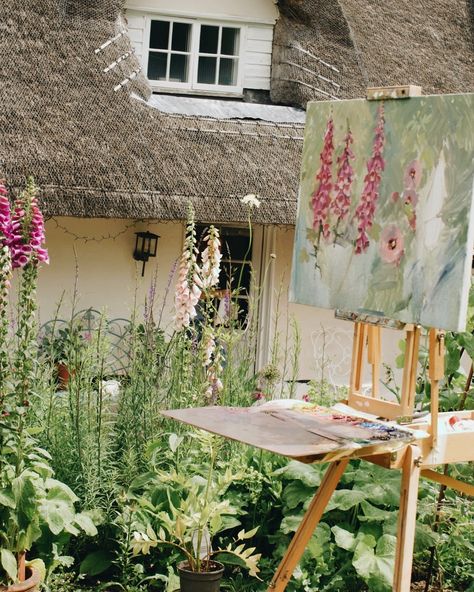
429	286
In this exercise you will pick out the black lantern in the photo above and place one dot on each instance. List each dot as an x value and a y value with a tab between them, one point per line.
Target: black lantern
145	247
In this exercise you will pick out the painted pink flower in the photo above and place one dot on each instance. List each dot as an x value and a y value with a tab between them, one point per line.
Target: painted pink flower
412	175
365	211
391	244
321	197
345	176
410	197
395	196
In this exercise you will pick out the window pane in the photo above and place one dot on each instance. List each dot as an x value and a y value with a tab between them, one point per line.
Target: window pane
157	65
181	35
207	70
228	72
209	38
230	41
178	68
159	34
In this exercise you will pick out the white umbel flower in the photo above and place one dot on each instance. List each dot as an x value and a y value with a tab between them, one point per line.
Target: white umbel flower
251	200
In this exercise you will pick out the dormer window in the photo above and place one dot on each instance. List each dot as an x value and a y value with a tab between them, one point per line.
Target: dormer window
194	56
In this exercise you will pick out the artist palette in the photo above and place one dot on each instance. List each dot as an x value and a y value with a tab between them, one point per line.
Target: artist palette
304	432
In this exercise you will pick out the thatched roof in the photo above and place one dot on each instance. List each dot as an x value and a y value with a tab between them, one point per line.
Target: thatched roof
339	47
98	152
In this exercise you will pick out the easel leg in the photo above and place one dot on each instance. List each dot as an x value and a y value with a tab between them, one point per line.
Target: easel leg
407	520
306	528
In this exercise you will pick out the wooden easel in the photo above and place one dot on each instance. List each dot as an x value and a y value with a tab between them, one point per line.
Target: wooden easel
415	460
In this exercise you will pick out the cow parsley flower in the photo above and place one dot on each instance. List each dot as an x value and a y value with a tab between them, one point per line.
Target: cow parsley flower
251	200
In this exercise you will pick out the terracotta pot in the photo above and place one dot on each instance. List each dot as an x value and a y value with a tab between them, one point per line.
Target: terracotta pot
63	375
200	581
31	584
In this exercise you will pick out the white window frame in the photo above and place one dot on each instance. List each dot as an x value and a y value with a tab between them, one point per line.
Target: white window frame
192	86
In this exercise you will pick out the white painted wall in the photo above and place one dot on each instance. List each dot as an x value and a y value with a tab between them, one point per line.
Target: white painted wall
256	18
107	275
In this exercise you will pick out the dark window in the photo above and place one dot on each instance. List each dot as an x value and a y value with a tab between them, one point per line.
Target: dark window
236	266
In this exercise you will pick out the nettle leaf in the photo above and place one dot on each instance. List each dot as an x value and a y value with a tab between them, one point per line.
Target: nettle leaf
344	539
309	474
296	493
9	564
345	499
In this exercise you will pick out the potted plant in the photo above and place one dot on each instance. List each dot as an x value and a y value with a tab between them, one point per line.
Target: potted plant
32	502
187	515
61	346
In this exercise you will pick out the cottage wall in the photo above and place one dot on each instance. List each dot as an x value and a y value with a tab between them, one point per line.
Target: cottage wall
108	278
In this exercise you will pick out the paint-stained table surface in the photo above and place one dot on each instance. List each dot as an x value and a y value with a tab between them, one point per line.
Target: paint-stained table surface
308	434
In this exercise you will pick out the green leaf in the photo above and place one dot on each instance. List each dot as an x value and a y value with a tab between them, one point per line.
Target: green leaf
85	522
96	563
309	474
9	563
290	523
345	499
25	495
296	493
344	539
425	537
374	514
60	491
6	498
174	442
57	513
376	565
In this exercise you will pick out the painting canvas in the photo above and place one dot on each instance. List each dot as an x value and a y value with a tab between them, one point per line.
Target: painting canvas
385	216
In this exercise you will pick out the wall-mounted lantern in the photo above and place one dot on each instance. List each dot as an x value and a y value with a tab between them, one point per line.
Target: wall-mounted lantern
145	247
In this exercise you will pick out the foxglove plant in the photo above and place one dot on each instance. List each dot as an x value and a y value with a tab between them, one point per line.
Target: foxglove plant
189	286
5	275
211	259
345	176
365	211
26	479
321	197
27	251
